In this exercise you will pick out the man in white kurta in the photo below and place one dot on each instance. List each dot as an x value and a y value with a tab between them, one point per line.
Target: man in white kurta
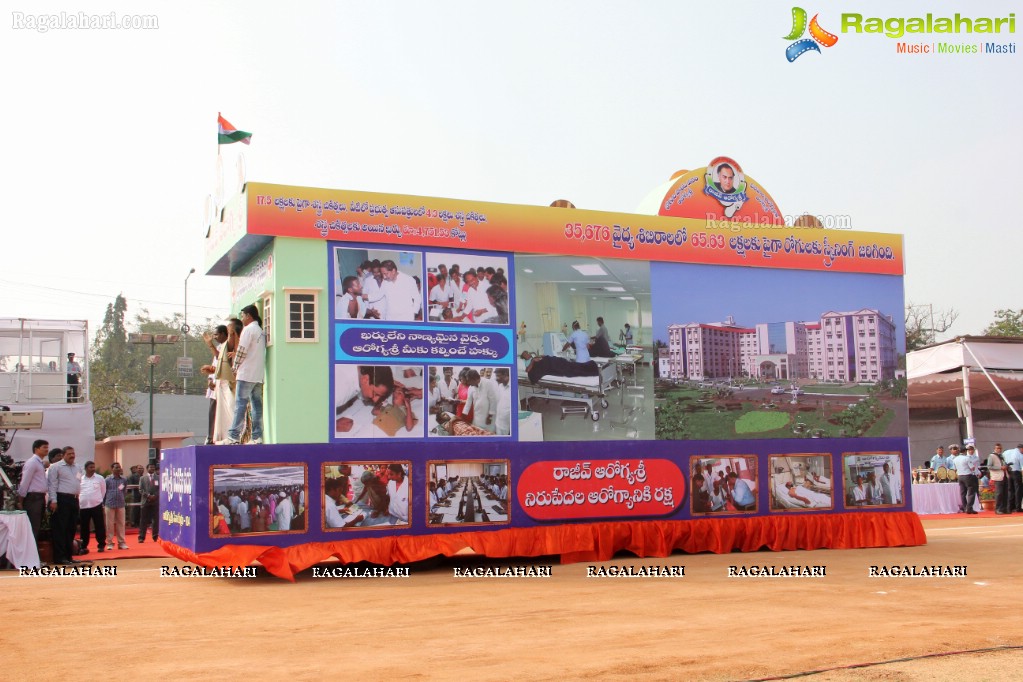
481	400
374	295
404	300
503	389
397	492
285	512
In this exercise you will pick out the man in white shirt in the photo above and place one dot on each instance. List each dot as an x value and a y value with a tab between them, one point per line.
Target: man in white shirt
285	512
249	368
503	419
966	473
441	294
373	292
477	305
397	491
448	384
481	400
404	300
891	490
92	489
350	305
455	287
434	396
1014	460
334	496
244	519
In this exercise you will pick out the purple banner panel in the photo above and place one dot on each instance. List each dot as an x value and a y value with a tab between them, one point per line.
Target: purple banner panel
182	497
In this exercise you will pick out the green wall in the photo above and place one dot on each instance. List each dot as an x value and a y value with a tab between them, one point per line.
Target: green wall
296	392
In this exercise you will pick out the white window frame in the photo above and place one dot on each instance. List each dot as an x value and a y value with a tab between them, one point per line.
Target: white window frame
315	293
267	310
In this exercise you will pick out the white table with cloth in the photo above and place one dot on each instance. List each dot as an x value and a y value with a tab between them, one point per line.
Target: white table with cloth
16	540
938	498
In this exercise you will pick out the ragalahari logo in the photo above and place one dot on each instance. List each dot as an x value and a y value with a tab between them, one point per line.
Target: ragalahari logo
818	36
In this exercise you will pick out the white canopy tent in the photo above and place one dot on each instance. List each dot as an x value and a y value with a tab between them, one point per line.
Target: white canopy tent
968	373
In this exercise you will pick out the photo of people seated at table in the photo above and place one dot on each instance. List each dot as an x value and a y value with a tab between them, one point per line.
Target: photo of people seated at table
468	288
467	492
723	485
801	481
873	479
469	401
378	284
268	498
365	495
378	401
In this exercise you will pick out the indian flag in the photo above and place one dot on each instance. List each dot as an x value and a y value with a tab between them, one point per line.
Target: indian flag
228	134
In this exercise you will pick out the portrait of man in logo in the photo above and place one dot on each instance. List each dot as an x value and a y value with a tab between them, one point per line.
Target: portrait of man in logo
726	183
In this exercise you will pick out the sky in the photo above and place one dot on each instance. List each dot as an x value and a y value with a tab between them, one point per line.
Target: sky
109	153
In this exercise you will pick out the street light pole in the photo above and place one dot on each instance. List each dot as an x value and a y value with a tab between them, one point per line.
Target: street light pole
151	340
185	330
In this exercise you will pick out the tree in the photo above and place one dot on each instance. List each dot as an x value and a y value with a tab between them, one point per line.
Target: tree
1007	322
112	407
924	323
119	367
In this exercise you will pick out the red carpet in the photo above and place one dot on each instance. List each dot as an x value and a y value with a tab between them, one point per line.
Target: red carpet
147	550
978	515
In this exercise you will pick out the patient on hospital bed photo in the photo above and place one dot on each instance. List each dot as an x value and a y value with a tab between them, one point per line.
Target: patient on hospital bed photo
477	403
801	481
573	382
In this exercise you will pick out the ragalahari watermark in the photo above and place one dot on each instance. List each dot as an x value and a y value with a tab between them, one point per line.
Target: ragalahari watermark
79	21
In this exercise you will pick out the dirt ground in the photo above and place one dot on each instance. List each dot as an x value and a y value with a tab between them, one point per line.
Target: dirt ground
705	626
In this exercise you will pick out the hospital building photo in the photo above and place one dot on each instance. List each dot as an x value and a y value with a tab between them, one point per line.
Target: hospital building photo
856	346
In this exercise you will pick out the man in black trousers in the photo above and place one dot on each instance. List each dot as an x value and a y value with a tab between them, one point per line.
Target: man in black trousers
149	488
63	488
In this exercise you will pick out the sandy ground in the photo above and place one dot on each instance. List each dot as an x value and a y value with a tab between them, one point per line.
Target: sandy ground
705	626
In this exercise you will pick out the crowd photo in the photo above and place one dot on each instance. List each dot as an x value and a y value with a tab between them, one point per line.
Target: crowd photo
365	495
258	499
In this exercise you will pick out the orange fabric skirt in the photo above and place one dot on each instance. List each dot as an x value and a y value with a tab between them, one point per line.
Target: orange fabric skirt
587	542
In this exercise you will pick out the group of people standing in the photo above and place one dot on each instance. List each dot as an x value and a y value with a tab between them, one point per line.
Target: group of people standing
236	380
78	498
1004	469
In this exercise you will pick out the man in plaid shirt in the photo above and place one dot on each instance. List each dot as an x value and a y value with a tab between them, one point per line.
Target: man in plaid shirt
114	505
